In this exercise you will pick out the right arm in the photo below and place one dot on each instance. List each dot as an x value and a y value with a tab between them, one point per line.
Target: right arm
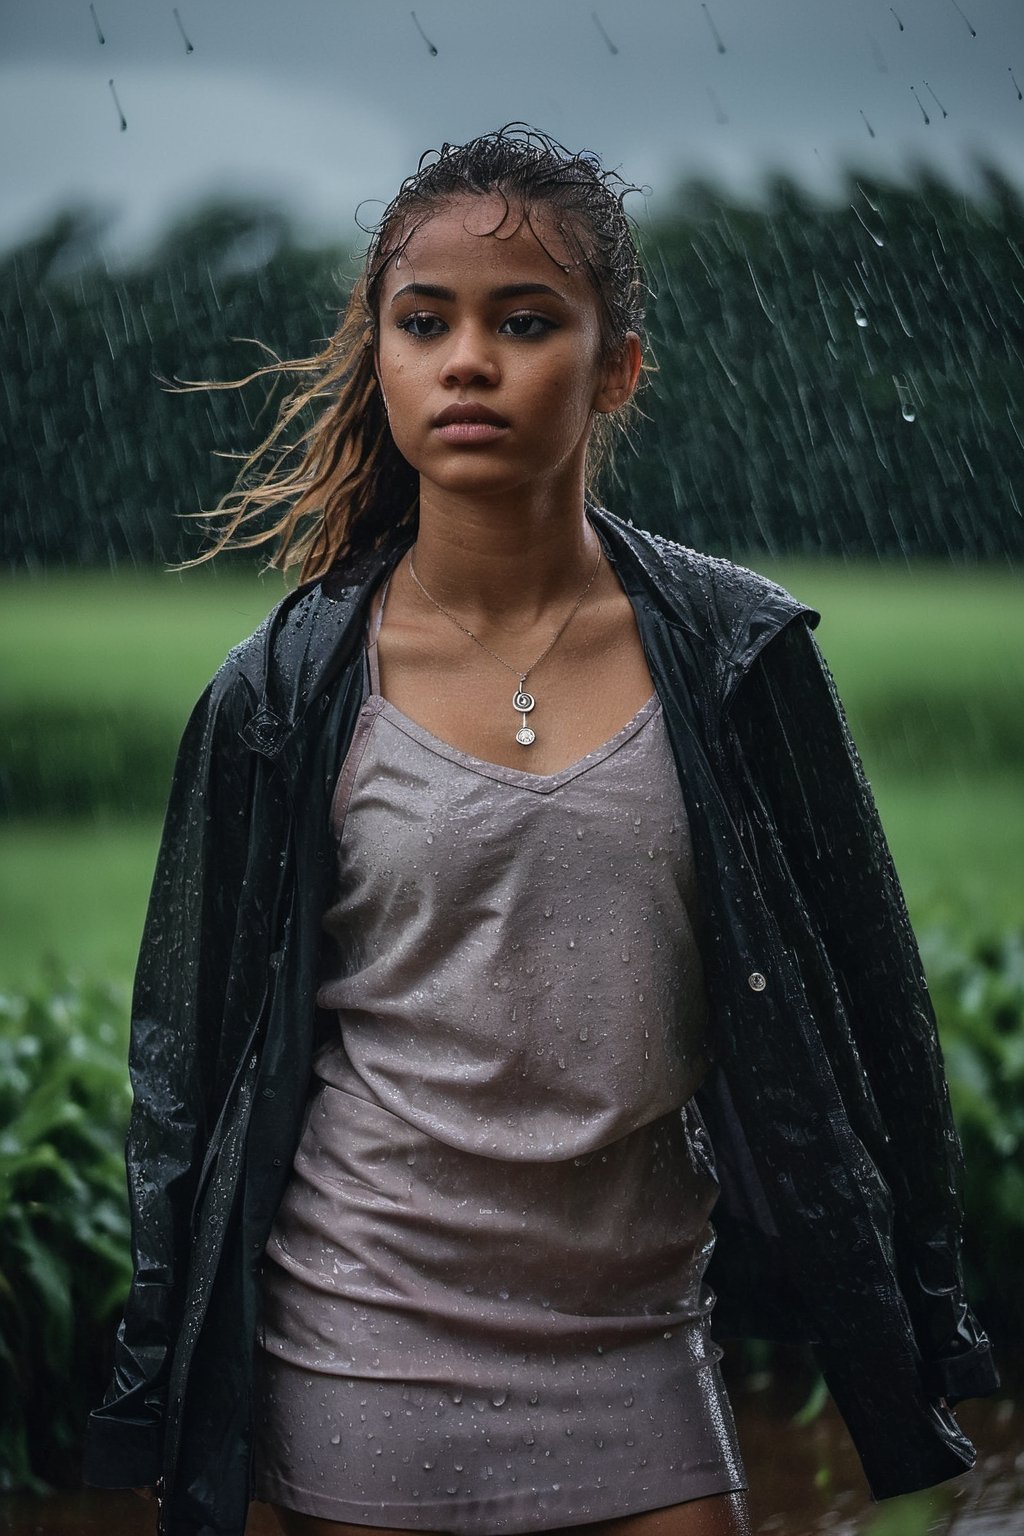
177	1008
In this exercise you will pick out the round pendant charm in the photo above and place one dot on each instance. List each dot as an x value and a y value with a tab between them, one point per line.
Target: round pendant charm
526	737
523	702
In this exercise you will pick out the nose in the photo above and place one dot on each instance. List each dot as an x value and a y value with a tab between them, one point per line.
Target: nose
469	358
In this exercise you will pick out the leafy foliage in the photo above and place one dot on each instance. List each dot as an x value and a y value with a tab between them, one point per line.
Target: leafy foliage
63	1219
64	1236
979	996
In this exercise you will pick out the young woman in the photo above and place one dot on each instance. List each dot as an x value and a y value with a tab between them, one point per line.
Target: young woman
520	897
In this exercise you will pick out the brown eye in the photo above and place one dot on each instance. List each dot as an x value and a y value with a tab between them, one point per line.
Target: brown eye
422	326
528	327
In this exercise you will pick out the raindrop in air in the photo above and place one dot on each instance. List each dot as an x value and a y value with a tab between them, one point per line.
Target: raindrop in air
608	42
936	100
867	125
965	20
96	23
117	104
920	103
714	30
426	39
876	238
898	22
861	318
907	408
1013	77
184	35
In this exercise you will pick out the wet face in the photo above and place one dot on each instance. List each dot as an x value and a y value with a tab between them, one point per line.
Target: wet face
489	353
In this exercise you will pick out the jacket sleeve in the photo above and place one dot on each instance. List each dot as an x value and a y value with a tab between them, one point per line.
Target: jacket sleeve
177	1006
807	778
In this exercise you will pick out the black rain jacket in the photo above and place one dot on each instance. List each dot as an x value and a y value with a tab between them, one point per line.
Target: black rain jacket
838	1219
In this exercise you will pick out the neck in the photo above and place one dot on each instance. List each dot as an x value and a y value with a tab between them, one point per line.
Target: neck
503	558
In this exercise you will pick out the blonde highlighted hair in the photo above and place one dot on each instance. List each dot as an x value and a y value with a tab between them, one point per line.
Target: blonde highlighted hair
342	484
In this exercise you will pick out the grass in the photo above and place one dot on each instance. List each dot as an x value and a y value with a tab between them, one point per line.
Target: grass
77	892
147	642
74	895
150	639
155	638
893	629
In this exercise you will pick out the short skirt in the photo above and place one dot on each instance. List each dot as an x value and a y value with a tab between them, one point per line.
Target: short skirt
453	1342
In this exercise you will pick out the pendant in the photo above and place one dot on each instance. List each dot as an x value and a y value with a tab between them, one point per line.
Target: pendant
522	703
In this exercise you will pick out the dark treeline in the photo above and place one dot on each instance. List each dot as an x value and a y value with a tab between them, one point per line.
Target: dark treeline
836	379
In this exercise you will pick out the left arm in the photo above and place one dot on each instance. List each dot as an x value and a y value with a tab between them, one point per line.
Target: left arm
804	780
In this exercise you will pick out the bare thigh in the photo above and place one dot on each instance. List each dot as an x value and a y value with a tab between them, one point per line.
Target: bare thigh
723	1515
294	1524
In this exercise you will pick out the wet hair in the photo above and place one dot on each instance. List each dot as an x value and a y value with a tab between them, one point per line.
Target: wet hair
345	488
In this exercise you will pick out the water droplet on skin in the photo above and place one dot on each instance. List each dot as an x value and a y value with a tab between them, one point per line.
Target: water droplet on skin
499	1399
548	910
584	1033
335	1439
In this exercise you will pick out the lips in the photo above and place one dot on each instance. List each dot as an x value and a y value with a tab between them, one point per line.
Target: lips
467	411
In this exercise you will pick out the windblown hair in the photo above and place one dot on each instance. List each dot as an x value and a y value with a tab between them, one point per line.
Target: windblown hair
345	488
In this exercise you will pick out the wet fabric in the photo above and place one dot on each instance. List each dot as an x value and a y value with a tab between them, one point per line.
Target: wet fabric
483	1301
827	1092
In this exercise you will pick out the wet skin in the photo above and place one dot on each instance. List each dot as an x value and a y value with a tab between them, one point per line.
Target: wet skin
493	320
478	311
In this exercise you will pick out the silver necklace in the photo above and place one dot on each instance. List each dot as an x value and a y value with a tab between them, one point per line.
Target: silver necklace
522	702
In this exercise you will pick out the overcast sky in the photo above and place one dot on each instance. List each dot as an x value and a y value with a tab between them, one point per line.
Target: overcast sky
323	103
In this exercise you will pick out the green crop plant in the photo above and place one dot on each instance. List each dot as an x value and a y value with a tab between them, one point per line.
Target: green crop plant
64	1239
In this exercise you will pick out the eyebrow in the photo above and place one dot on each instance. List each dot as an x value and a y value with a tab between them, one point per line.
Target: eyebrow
509	291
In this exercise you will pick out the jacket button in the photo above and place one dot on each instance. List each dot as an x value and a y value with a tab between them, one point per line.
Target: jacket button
756	982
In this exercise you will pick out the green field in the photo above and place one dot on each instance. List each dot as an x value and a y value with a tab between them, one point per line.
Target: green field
928	648
153	639
149	640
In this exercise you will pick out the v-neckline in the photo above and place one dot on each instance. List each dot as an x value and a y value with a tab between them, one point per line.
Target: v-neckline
540	783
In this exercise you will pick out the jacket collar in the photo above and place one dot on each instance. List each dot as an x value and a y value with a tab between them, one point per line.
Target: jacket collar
314	632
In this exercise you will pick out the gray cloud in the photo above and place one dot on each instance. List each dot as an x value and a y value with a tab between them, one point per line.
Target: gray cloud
326	102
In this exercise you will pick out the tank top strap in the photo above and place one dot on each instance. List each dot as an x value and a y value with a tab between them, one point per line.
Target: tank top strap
371	644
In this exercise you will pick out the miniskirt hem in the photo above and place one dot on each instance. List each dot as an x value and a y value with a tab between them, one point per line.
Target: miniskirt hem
500	1515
